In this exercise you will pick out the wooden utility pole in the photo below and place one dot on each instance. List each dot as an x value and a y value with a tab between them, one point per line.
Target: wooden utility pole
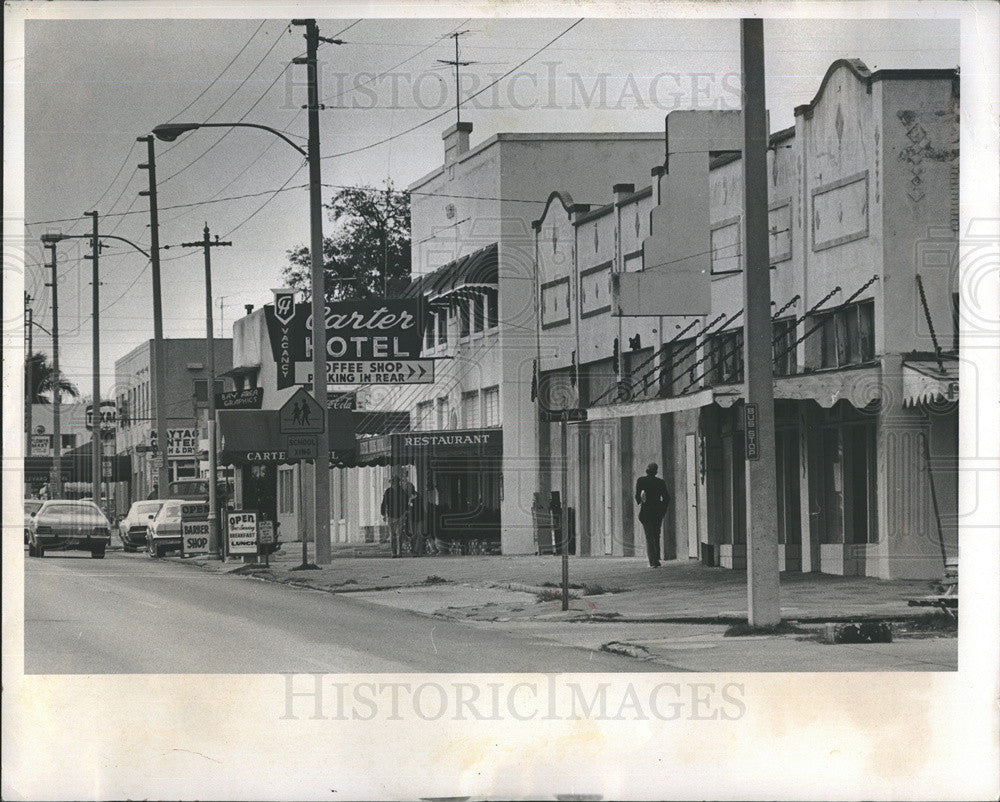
95	402
761	491
214	544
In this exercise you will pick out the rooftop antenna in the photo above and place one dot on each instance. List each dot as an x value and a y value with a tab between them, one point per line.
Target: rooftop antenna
456	63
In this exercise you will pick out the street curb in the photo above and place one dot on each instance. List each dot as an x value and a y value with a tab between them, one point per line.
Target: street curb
569	616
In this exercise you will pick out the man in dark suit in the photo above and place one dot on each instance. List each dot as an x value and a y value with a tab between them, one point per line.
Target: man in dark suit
652	497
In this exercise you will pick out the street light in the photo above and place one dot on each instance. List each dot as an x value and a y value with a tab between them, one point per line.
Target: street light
95	239
168	132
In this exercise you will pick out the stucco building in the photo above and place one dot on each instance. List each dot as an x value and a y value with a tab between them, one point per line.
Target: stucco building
863	223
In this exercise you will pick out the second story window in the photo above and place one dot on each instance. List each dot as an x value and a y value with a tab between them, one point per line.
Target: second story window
478	313
491	406
441	317
425	416
726	357
845	336
678	366
464	321
470	410
782	343
492	307
201	390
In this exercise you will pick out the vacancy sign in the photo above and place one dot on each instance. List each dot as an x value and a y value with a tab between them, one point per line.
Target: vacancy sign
372	371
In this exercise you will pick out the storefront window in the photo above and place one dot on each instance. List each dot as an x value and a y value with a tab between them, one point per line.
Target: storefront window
286	491
183	469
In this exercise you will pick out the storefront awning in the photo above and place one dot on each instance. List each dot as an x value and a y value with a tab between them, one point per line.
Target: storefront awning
76	465
859	386
925	382
653	406
447	445
252	436
478	270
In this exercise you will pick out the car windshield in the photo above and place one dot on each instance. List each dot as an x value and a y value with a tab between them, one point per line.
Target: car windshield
189	488
83	509
169	512
147	508
31	507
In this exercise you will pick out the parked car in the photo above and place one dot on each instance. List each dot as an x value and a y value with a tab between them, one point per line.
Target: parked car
191	489
64	525
164	532
31	506
132	528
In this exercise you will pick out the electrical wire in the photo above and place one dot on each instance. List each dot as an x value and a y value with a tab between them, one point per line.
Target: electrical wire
217	77
282	188
448	111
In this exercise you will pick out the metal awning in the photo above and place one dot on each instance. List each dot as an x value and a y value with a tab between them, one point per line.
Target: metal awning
925	382
477	271
478	446
859	386
254	435
653	406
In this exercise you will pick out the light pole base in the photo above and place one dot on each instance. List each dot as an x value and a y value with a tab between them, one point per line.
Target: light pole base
307	567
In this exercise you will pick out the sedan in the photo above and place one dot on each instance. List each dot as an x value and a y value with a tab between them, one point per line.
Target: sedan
132	528
164	532
66	525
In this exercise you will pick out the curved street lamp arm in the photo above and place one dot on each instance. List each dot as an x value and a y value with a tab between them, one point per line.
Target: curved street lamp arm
126	241
248	125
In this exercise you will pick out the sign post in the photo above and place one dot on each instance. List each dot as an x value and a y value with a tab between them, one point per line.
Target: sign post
300	420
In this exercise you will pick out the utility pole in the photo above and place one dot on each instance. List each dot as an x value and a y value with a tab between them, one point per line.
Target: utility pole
95	404
214	545
458	85
28	373
763	592
163	474
321	502
55	479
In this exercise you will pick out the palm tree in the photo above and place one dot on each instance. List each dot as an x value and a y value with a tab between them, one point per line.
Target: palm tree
40	378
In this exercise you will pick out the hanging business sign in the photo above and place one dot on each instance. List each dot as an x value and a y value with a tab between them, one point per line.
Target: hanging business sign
41	445
371	329
109	418
348	401
241	530
371	371
250	398
183	442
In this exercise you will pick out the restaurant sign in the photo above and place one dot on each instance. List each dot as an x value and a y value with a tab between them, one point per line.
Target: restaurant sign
371	329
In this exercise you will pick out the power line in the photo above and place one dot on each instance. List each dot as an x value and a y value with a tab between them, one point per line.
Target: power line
217	77
448	111
355	88
218	108
282	188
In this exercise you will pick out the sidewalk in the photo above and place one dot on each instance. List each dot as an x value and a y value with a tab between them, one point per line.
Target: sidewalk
620	589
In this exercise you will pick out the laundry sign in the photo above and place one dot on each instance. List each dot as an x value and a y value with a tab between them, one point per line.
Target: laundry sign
183	442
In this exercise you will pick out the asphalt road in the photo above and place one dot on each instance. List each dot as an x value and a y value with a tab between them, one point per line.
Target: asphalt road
131	614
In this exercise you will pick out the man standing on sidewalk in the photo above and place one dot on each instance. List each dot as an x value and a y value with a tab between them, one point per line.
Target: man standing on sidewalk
652	497
394	507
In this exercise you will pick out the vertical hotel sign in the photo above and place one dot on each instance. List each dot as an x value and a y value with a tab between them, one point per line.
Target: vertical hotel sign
283	340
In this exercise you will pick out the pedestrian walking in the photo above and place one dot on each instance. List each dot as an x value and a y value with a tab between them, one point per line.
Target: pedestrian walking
417	514
652	497
394	506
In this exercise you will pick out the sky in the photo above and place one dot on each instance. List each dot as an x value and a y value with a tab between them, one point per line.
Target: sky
93	86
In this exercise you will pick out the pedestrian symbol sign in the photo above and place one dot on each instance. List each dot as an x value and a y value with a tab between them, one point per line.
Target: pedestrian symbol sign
301	415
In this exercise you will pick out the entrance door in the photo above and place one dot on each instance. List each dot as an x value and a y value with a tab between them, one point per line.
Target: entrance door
691	482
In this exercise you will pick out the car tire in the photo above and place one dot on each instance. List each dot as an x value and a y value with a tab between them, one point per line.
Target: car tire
160	551
149	548
98	553
31	549
39	549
